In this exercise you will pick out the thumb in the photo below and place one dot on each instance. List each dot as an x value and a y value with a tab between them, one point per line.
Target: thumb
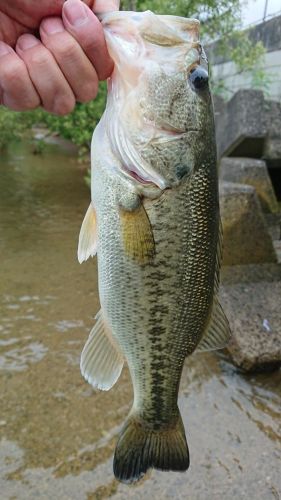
105	6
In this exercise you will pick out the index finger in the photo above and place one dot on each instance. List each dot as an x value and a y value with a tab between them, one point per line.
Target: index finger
105	6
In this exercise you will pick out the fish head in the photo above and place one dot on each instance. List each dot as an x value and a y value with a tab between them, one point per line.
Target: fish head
159	113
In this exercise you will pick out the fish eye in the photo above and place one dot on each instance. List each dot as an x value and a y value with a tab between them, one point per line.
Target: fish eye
198	78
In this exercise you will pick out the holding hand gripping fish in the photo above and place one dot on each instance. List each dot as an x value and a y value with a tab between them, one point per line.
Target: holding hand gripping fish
154	223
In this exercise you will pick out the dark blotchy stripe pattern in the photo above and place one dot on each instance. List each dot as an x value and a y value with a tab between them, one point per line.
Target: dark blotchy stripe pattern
158	311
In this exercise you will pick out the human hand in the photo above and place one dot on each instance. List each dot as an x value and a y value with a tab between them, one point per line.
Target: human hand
61	68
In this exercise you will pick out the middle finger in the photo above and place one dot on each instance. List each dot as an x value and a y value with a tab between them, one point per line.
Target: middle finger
55	93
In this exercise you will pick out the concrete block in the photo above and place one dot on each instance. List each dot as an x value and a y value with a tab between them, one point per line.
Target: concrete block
253	310
245	235
241	125
253	172
272	146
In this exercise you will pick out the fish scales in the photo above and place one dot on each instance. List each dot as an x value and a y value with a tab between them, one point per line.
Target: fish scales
154	222
164	305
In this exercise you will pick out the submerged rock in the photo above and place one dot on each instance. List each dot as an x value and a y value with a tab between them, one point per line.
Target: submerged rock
253	172
246	239
253	309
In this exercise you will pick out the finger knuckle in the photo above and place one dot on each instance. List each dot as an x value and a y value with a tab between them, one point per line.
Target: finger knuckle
30	104
13	71
23	106
106	71
89	92
93	45
63	105
21	102
39	59
66	51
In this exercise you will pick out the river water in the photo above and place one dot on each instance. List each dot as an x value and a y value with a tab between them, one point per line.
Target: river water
57	434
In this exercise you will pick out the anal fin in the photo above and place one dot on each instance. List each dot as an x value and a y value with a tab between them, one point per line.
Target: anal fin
217	333
87	246
101	360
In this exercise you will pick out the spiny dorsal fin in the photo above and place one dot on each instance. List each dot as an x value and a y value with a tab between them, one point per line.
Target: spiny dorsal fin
137	234
101	360
87	246
217	334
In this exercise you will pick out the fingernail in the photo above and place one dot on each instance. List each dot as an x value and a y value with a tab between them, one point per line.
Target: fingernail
52	25
75	12
26	42
5	49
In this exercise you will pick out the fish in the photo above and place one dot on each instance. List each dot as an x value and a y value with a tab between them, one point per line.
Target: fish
154	223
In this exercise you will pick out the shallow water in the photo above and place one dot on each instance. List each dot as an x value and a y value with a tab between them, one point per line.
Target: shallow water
57	435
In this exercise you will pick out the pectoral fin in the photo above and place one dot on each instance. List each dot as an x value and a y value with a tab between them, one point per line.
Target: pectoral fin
101	360
87	246
217	333
137	234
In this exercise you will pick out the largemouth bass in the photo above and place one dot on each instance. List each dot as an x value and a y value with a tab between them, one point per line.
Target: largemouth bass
154	223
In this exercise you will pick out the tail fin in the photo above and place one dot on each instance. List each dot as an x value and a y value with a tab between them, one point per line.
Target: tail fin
139	447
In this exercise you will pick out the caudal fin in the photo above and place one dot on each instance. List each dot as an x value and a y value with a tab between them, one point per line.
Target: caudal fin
139	448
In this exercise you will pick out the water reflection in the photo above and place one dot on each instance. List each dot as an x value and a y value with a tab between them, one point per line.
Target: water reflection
20	358
57	434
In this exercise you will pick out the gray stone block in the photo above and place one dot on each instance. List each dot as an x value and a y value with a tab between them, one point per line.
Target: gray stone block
272	150
252	172
249	126
242	125
253	310
272	146
273	222
245	235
